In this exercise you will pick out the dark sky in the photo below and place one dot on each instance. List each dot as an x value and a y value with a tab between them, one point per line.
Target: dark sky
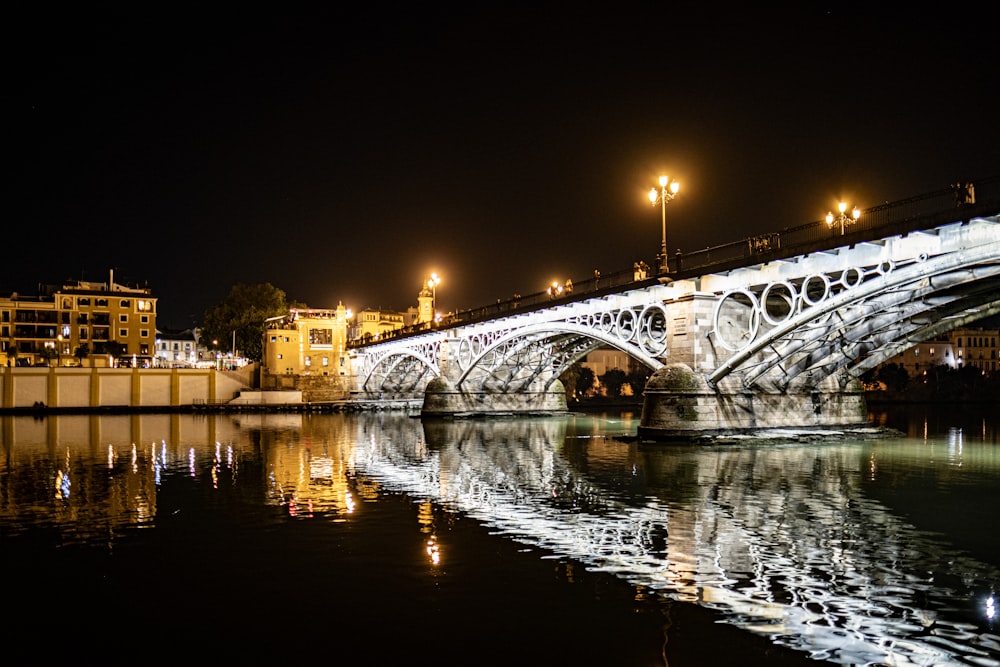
345	155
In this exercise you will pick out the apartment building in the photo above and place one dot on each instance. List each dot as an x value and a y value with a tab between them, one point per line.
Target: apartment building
79	322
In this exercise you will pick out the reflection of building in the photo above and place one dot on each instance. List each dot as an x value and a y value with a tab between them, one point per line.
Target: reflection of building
114	323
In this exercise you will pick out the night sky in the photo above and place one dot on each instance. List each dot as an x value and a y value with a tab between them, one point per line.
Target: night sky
343	156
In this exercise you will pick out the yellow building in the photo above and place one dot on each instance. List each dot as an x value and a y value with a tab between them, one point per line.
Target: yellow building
373	324
306	341
114	323
976	347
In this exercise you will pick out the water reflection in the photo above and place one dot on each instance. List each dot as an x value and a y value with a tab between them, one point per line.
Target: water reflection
781	538
841	551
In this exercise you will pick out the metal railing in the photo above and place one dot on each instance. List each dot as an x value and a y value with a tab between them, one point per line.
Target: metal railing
958	202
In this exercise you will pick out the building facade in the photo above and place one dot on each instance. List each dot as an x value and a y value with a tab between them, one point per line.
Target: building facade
177	349
306	341
80	322
976	347
966	346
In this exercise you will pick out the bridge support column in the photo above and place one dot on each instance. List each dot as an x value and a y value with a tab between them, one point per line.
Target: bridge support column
441	399
679	405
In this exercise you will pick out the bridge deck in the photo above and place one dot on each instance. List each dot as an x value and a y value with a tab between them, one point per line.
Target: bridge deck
951	204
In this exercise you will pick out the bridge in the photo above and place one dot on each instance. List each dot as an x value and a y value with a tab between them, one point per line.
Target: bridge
771	331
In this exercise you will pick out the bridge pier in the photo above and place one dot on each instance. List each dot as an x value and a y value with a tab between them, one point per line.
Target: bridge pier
442	399
679	405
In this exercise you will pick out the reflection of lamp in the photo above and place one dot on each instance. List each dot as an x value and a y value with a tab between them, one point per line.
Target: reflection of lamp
843	219
668	190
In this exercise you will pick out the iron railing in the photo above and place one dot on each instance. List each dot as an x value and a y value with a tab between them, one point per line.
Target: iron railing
957	202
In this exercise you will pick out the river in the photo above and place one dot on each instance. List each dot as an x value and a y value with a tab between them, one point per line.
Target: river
380	538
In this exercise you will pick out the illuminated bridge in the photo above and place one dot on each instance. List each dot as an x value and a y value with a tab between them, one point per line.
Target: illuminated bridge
768	332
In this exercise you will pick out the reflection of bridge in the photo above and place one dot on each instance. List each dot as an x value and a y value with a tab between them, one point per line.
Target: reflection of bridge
769	332
781	541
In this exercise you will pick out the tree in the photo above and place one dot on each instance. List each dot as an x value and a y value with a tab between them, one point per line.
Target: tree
584	381
82	352
242	315
48	354
613	381
637	377
12	353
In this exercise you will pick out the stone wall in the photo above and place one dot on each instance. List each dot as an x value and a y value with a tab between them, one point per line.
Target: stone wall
87	388
314	388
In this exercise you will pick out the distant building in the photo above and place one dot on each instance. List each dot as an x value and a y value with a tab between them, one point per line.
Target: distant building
926	355
113	323
373	324
966	346
976	347
176	349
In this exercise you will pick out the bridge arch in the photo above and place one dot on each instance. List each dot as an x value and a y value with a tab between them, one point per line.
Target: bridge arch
401	370
543	351
871	314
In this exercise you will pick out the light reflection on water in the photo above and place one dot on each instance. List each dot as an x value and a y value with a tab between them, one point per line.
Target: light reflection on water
851	552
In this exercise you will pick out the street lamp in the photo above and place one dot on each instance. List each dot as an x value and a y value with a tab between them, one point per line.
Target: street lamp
843	219
668	190
433	282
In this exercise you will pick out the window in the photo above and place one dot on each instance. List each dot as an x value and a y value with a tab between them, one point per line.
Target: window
144	306
144	333
274	339
281	356
83	301
144	319
125	303
102	303
308	362
83	333
326	361
123	333
123	318
320	337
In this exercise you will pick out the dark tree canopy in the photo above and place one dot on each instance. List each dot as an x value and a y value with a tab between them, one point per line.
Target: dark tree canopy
242	315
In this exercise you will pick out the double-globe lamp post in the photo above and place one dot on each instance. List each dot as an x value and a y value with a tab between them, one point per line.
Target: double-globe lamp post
667	191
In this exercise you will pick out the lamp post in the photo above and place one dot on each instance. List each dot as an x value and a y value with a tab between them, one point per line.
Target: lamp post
667	191
843	219
59	340
433	282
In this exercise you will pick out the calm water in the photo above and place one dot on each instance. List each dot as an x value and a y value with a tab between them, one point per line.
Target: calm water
379	539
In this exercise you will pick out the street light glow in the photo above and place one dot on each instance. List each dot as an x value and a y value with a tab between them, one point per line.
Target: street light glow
432	284
843	219
668	190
